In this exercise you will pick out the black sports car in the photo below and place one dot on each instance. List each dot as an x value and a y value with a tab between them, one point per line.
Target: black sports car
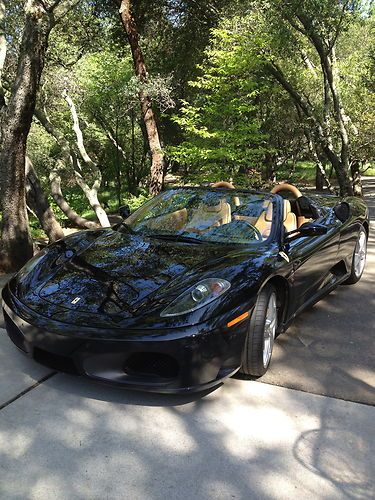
187	290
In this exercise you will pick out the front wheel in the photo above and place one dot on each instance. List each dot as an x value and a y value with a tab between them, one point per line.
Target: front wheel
260	337
359	258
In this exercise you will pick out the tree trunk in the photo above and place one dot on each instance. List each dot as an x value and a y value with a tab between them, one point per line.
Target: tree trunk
157	156
38	203
16	242
118	169
327	63
92	196
318	179
3	51
90	193
321	174
318	132
357	180
55	178
326	51
64	206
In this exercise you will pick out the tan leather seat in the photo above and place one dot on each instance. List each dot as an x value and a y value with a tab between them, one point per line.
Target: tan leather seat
173	221
207	216
246	218
264	222
290	218
179	218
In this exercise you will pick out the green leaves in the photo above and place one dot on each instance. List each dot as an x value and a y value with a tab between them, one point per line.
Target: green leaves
221	125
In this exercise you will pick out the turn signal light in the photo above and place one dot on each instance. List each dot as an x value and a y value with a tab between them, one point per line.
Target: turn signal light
238	319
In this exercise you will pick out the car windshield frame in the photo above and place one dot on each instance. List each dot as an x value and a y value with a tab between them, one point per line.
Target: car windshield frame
204	192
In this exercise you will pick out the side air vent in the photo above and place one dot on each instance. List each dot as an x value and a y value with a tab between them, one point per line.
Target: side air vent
55	361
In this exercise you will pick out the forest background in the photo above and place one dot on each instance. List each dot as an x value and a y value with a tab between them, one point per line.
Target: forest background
105	102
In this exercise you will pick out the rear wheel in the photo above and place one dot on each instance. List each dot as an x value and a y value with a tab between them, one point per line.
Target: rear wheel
260	337
359	258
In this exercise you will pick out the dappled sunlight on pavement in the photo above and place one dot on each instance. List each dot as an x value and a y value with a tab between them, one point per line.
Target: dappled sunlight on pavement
75	439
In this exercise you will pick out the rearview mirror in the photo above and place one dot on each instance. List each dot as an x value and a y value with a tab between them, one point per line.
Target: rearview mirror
124	211
307	229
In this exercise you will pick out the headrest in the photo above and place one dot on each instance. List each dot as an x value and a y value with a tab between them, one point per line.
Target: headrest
214	208
236	201
223	184
287	208
268	210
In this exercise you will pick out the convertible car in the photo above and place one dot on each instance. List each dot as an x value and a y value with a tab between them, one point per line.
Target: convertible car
187	290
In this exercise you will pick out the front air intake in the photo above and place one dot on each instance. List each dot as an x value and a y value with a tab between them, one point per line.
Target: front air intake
151	364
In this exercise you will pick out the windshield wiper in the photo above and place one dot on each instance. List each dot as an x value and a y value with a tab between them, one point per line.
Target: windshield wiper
176	237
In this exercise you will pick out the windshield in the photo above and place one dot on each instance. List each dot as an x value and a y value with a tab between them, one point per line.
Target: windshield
204	215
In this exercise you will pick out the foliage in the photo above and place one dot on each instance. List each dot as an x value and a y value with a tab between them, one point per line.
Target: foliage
221	125
221	112
355	52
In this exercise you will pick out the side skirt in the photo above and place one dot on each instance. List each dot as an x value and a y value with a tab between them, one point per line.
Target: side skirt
316	298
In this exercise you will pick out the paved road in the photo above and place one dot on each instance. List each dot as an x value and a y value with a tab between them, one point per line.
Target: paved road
65	438
69	439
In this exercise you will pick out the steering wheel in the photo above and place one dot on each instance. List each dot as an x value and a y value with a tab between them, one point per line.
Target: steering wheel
287	187
257	233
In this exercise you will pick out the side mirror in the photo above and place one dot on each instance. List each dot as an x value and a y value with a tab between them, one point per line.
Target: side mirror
342	211
124	211
312	229
307	229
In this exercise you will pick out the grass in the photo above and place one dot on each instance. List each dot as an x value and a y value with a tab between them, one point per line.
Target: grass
369	172
304	173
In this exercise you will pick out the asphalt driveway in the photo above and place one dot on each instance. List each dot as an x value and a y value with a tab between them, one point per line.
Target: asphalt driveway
65	438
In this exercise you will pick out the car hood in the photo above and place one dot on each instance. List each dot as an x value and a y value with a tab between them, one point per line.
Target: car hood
123	275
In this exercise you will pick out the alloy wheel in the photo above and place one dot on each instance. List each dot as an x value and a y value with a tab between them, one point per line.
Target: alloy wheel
269	330
360	254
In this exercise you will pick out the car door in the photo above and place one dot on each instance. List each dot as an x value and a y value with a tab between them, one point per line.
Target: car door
312	259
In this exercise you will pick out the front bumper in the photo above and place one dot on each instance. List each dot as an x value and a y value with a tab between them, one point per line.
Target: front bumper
169	360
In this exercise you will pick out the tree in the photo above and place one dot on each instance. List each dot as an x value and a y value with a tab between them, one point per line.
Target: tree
148	115
222	125
37	202
90	193
108	90
16	243
315	27
355	57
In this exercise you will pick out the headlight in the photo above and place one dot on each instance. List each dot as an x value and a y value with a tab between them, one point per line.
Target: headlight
197	296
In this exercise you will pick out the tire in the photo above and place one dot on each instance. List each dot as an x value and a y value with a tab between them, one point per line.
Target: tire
260	337
359	258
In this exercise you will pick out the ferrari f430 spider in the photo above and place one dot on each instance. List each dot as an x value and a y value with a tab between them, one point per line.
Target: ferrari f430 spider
190	288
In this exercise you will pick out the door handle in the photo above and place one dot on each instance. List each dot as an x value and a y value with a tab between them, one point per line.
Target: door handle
284	256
